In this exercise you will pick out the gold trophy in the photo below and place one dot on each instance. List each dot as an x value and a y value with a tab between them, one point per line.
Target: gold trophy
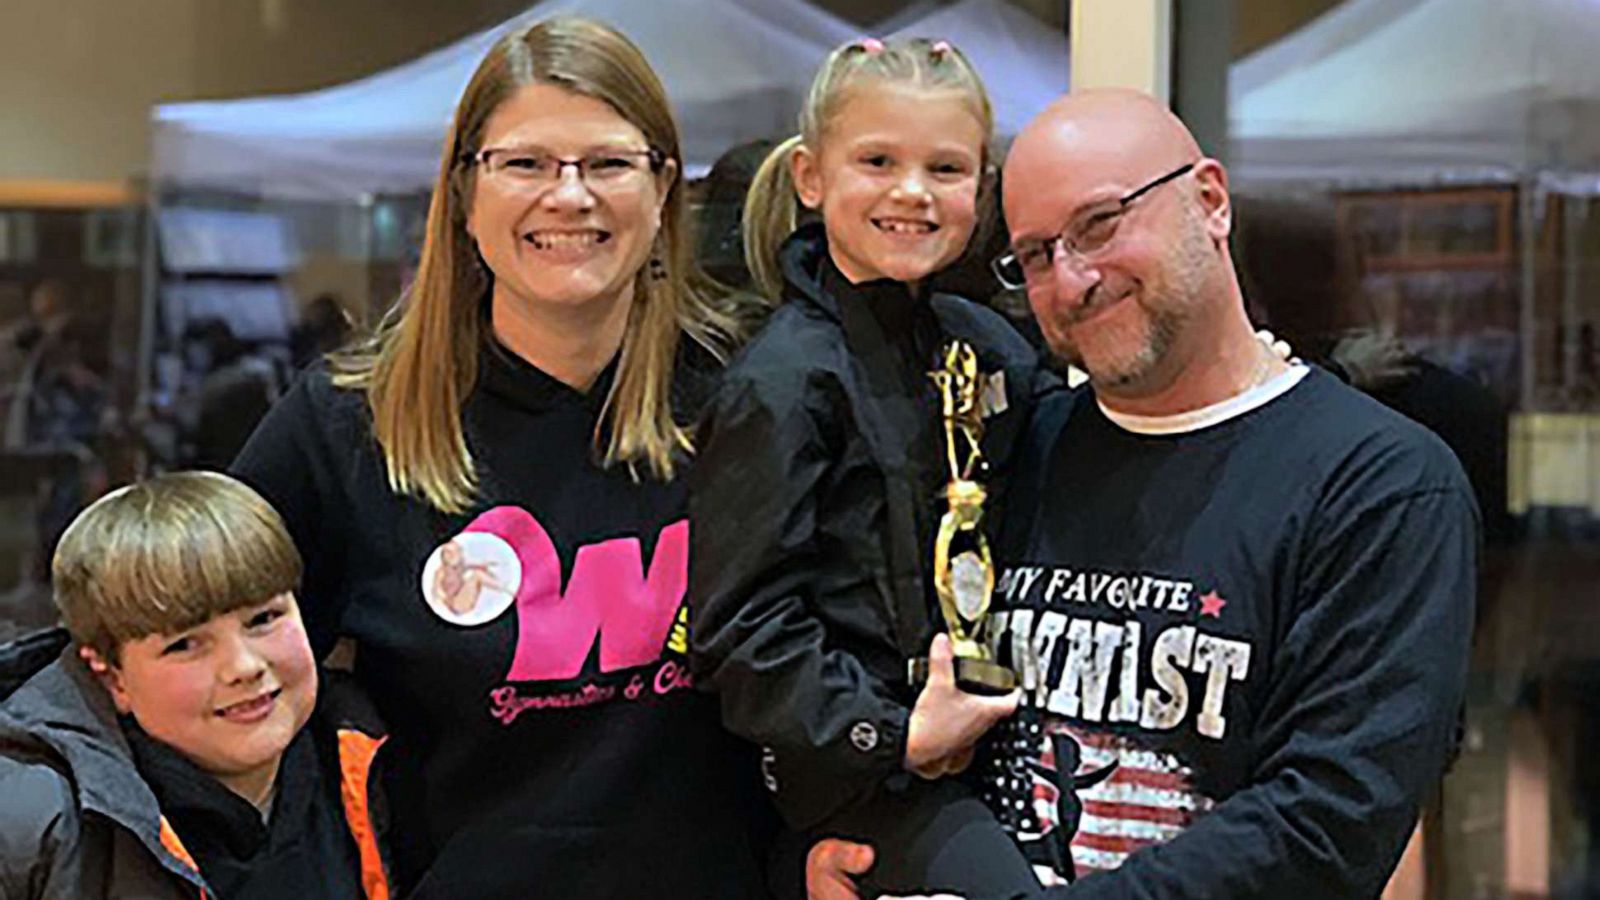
963	571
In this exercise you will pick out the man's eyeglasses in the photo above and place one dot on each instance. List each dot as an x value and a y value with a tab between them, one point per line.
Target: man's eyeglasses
1088	234
533	168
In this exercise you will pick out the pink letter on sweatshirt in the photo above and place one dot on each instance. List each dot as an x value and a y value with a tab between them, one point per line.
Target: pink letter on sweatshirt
609	597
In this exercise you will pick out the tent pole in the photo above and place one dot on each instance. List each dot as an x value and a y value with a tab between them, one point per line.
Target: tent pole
150	299
1122	43
1202	50
1528	211
1572	216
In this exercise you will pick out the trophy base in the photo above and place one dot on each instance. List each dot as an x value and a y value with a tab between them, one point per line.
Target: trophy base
975	676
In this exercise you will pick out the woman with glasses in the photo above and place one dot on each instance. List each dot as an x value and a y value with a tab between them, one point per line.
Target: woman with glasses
523	411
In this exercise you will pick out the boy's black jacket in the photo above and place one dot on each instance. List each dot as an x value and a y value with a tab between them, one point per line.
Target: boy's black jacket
79	822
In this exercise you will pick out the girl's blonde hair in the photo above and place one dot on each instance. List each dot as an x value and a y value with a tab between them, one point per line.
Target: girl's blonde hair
419	367
771	209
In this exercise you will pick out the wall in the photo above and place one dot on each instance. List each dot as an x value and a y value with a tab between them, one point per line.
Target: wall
1257	23
78	77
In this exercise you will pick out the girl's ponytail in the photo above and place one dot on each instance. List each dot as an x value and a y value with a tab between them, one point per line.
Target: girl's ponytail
771	210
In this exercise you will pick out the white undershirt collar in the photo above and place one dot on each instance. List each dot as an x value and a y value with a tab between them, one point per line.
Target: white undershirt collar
1216	413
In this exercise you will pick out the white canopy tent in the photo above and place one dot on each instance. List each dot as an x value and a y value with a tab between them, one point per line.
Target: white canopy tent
1435	93
1424	91
735	70
1024	64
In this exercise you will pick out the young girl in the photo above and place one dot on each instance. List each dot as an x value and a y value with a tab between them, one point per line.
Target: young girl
819	483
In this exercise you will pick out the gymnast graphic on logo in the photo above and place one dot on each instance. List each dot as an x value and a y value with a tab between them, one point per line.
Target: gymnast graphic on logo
471	578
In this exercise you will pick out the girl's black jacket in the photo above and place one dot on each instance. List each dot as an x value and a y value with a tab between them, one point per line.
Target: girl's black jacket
811	528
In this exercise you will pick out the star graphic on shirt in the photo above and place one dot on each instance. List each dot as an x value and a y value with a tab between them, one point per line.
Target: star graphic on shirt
1211	604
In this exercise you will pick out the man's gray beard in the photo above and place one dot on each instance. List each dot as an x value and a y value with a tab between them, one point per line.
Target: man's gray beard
1168	313
1163	333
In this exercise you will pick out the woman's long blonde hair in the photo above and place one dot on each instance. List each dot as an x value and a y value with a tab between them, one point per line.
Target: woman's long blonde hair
771	209
419	367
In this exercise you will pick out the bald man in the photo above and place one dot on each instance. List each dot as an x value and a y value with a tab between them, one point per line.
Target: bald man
1242	598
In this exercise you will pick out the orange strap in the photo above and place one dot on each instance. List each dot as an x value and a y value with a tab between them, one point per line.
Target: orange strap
356	752
169	840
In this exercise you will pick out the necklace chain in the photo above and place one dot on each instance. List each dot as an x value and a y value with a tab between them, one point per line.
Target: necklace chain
1262	371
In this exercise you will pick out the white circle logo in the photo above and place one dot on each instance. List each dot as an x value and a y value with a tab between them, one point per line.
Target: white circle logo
471	578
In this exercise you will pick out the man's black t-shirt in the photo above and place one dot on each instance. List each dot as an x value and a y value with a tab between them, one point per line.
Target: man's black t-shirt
1242	635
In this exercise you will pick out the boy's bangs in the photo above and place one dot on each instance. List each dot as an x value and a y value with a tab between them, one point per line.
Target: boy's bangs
170	554
163	583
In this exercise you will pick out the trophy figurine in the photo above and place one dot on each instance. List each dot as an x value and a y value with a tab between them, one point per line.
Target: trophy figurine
963	571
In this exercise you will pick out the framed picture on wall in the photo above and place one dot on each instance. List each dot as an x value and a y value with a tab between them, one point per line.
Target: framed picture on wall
1452	228
111	238
19	237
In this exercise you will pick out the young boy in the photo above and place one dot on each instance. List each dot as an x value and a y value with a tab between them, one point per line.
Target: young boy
165	752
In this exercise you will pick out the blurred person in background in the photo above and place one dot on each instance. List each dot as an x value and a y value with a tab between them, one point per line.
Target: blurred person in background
323	328
55	417
60	393
721	206
235	392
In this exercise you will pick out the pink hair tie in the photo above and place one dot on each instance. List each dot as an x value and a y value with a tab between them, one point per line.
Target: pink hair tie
939	48
870	45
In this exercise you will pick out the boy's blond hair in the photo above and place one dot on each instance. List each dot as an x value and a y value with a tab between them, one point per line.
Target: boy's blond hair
166	555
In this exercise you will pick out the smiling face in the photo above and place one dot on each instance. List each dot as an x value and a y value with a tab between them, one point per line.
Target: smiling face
565	242
896	180
228	694
1119	313
1148	297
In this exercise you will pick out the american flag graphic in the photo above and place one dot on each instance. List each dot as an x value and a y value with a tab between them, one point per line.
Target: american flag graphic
1148	797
